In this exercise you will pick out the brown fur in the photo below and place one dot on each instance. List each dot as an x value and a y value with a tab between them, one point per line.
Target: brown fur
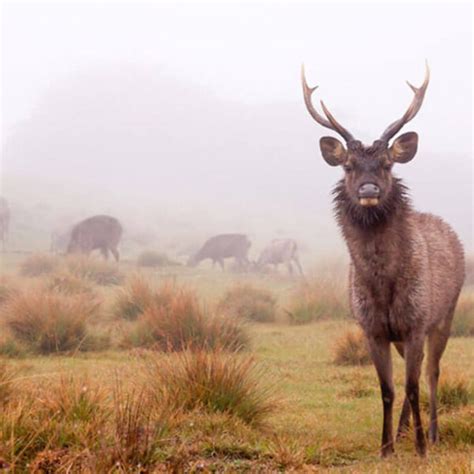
407	269
96	233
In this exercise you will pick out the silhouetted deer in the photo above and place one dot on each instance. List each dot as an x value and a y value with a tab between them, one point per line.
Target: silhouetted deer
407	268
280	251
97	232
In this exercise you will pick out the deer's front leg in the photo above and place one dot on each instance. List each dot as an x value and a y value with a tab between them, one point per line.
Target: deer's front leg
381	357
413	360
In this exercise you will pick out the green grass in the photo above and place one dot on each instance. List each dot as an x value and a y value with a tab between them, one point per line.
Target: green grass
329	417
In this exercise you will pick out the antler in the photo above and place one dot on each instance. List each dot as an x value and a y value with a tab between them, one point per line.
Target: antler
415	106
330	122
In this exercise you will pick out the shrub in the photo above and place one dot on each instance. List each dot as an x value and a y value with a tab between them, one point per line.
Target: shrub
176	321
463	321
38	265
49	321
351	349
247	302
68	283
97	271
213	381
153	259
318	300
7	290
453	392
134	298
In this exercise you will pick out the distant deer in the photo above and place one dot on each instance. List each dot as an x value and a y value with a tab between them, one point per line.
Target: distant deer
280	251
407	268
96	233
4	221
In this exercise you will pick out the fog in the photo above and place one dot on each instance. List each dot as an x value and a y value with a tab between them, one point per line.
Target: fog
187	119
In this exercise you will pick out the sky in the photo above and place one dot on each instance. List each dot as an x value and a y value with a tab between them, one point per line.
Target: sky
195	105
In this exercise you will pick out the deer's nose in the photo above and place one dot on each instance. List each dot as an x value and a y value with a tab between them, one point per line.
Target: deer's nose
369	190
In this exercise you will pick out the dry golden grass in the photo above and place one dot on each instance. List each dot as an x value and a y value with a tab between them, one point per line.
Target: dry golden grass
318	299
213	381
177	321
68	283
463	321
38	265
249	303
49	321
351	349
134	298
100	272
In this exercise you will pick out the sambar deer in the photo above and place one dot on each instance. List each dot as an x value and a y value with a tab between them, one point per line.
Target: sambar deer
407	267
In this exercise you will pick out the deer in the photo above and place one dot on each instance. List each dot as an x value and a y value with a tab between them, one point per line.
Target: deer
406	267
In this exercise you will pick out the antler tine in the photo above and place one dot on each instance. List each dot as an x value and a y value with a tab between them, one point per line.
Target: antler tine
412	110
330	122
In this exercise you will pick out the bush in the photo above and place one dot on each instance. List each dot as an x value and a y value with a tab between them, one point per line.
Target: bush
463	321
134	298
176	321
317	300
49	321
97	271
453	392
38	265
68	283
351	349
153	259
247	302
212	381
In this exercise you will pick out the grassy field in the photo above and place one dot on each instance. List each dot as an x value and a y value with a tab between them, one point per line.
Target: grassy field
321	416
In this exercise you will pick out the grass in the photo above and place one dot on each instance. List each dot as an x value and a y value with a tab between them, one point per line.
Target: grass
318	299
176	321
152	259
248	303
46	322
351	349
134	298
463	321
214	381
38	265
329	416
100	272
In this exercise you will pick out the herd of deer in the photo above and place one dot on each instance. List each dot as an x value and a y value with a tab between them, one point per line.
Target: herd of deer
406	271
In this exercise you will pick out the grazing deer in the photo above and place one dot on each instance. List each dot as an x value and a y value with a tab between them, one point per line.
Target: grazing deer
407	267
223	246
280	251
97	232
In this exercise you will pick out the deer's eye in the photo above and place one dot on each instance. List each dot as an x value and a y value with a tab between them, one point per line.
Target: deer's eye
348	168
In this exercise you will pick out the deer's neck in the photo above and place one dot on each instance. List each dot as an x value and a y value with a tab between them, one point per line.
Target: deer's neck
378	239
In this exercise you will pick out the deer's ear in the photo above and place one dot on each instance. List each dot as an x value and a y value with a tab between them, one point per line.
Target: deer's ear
404	147
333	151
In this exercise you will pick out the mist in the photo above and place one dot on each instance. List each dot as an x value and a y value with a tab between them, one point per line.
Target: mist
185	120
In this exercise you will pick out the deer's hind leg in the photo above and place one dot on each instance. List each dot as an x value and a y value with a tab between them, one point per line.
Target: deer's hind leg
437	341
404	422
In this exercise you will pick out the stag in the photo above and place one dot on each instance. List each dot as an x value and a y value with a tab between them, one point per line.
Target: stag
223	246
4	221
96	233
407	267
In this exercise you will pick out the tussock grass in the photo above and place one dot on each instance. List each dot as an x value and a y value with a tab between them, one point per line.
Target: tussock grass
318	299
134	298
46	322
213	381
100	272
463	321
38	265
457	428
8	288
469	270
68	283
351	349
150	258
176	321
453	391
249	303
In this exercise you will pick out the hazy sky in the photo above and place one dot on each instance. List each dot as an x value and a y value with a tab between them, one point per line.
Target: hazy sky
249	55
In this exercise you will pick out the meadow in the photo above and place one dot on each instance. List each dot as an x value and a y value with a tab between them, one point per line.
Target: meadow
165	368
